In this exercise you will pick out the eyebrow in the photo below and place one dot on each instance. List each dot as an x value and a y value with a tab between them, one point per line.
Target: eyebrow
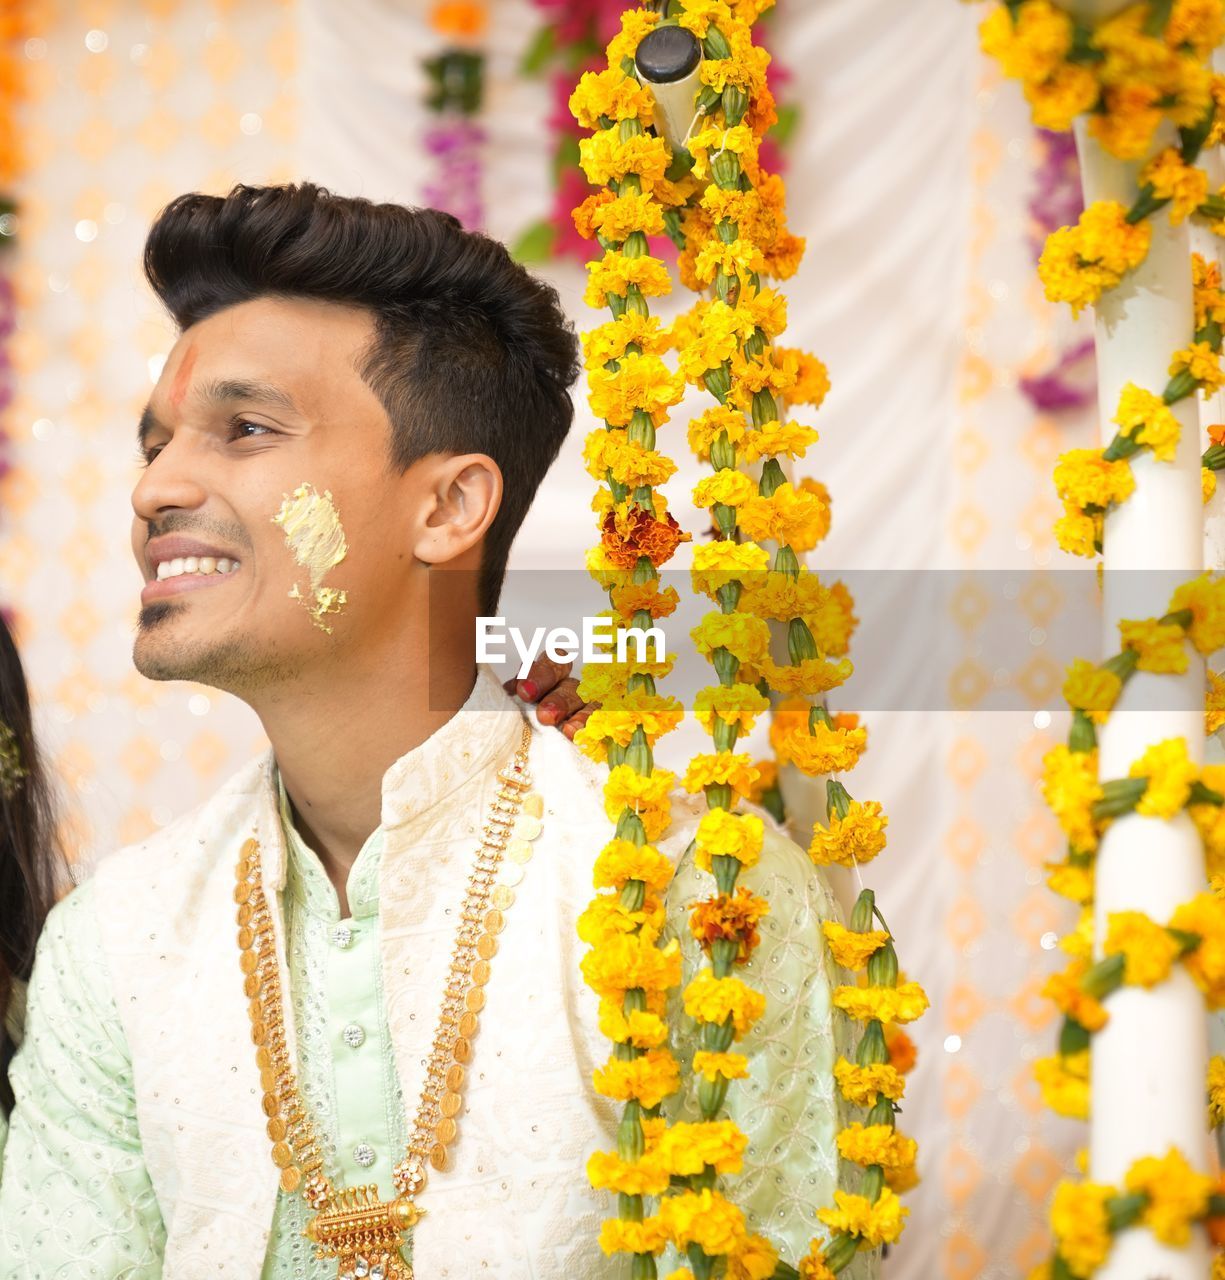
223	391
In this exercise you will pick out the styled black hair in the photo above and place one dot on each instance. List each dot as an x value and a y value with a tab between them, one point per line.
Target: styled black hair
29	853
472	354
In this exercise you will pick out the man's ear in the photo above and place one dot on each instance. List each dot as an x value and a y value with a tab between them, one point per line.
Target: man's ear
462	495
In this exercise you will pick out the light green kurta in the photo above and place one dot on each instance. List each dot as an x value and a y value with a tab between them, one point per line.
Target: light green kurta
76	1199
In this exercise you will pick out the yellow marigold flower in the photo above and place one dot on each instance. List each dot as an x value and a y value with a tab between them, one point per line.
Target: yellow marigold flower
766	781
1216	1090
1178	1195
1070	787
640	1027
726	486
1091	689
619	218
711	999
1206	283
606	1171
1205	597
715	138
812	378
778	439
639	382
707	427
720	768
1147	419
717	336
850	948
614	273
1078	264
731	205
606	158
765	307
1204	916
688	1149
612	94
647	795
655	714
605	921
1071	881
1031	45
877	1144
1069	92
904	1003
742	258
698	15
609	341
1202	363
1064	1081
629	961
1147	948
745	68
1079	942
1160	645
1080	1225
604	680
873	1223
738	704
716	1066
742	635
620	1235
715	564
635	24
1214	703
857	838
610	452
753	1258
1184	185
648	1079
728	835
704	1218
1063	990
781	596
822	750
622	860
1130	119
790	517
1207	479
812	1266
814	675
861	1086
774	370
1084	478
644	598
1077	533
1170	773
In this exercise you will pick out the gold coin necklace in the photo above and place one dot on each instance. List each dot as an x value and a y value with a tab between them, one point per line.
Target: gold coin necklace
362	1233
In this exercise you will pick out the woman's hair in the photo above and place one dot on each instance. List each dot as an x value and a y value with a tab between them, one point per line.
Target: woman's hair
471	353
29	852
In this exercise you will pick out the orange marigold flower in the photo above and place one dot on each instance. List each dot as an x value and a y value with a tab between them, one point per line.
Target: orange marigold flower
628	537
731	917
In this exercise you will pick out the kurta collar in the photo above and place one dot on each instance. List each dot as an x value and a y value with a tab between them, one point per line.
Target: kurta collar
484	728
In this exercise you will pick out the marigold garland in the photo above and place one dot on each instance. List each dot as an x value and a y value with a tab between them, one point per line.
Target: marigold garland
1148	64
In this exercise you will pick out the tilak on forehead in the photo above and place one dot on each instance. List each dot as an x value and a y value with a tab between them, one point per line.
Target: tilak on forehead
182	376
316	540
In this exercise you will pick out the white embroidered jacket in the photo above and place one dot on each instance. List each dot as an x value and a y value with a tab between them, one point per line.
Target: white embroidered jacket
515	1202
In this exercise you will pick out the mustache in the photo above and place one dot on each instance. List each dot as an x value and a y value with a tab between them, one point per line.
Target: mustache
228	532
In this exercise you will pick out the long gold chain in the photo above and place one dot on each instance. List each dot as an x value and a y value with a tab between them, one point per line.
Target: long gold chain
364	1234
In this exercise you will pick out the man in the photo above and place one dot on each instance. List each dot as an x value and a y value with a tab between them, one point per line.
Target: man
361	395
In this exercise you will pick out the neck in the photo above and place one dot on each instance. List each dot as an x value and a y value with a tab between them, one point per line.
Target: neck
335	739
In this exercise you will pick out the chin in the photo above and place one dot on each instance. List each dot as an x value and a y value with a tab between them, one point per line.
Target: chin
233	664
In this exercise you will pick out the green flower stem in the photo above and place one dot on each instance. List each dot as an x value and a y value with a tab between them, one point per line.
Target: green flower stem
861	913
1073	1038
1122	664
1120	447
1201	794
1213	457
1147	203
837	799
1125	1210
1179	387
872	1050
1119	796
1104	978
1082	737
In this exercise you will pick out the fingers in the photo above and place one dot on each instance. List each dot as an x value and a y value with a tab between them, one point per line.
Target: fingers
543	676
560	704
578	720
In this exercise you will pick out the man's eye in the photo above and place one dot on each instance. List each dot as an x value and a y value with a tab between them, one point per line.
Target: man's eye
149	455
244	430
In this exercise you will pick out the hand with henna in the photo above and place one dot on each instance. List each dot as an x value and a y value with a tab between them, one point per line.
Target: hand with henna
550	686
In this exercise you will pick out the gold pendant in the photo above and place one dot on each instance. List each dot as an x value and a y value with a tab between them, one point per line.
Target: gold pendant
364	1234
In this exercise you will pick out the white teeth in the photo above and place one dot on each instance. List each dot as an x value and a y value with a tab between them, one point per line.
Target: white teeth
194	565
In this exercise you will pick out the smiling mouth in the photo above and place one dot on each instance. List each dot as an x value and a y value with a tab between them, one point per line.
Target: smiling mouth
194	566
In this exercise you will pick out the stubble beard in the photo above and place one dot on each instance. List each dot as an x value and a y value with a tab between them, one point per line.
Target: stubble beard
231	665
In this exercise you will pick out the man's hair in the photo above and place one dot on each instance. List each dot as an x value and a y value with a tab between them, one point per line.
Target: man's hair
471	354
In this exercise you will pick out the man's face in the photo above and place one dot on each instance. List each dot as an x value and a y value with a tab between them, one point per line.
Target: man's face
259	413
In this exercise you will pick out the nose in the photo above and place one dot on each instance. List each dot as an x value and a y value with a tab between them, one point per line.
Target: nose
168	483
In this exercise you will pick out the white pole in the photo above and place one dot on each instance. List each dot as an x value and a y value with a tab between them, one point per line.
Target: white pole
1150	1061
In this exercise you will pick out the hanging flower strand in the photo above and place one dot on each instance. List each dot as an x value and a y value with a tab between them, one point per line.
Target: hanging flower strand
631	390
